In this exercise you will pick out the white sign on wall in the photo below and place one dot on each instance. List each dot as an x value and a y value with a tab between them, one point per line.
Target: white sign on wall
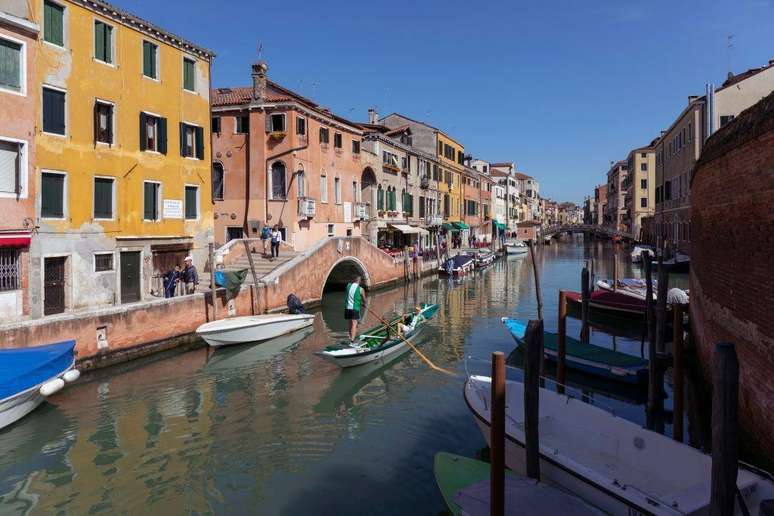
173	209
347	212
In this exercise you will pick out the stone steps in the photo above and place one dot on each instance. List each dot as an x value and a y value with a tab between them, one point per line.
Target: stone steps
263	266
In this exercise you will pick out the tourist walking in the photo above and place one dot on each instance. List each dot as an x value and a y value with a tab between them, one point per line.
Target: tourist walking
354	300
265	237
276	238
190	276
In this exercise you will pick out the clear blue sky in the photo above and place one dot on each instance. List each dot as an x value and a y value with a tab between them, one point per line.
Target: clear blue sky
559	87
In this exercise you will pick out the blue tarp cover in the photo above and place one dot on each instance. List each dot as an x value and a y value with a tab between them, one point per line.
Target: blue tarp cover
21	369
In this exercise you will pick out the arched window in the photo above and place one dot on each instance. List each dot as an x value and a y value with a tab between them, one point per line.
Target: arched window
217	181
278	190
380	198
300	184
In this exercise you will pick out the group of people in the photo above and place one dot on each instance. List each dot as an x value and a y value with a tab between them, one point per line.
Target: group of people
274	236
187	276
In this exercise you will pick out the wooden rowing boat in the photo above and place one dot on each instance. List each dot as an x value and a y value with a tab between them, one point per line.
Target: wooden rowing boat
379	341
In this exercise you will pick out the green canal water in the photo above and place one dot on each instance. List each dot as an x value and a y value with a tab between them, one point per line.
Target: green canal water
273	429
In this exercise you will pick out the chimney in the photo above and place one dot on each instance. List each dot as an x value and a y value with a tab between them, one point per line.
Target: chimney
691	98
259	81
372	116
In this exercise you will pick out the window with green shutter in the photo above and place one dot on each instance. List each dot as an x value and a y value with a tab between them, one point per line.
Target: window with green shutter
53	111
52	195
191	202
53	23
150	59
189	81
151	201
103	42
10	65
103	198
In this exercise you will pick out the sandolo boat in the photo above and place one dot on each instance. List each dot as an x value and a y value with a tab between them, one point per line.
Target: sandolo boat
609	462
588	358
380	341
29	375
252	328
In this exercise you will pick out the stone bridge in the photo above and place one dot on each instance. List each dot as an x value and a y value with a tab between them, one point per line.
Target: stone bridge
586	228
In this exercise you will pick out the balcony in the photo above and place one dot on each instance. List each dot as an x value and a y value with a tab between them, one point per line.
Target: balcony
307	208
389	167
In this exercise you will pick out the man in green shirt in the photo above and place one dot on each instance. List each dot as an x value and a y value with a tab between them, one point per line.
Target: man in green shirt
353	302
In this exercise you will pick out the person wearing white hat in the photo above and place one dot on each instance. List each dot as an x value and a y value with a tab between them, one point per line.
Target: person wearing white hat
190	276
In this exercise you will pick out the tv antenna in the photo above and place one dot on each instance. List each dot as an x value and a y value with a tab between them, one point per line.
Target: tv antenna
729	49
260	50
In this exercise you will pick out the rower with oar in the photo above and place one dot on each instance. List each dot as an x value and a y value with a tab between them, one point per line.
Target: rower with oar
354	301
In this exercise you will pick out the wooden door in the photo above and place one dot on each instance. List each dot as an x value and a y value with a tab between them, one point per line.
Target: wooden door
54	285
130	276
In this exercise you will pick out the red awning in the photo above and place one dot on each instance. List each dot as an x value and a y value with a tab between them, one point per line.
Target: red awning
14	241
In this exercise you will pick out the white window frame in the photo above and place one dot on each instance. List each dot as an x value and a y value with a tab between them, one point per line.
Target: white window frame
94	262
301	184
198	202
65	192
337	190
182	73
113	33
331	234
222	166
65	24
66	111
113	197
158	60
193	149
113	131
22	67
271	181
23	166
305	134
159	202
154	151
323	190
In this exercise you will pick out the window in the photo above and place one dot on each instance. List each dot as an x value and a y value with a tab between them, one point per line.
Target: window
11	66
337	190
355	192
152	200
54	111
215	125
403	163
644	202
103	42
217	181
104	193
242	124
53	23
460	157
643	183
191	141
380	198
278	190
150	60
323	188
301	126
725	120
191	202
10	269
300	185
644	167
440	148
189	74
355	146
324	135
421	207
52	195
103	262
336	140
153	133
13	169
276	123
331	230
668	191
103	122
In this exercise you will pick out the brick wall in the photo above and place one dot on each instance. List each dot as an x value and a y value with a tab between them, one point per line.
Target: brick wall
733	260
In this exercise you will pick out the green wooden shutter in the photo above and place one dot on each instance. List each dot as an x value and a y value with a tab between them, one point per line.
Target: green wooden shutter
143	135
99	40
182	139
188	75
161	129
148	59
53	23
108	43
149	201
190	202
53	111
199	142
10	65
103	198
96	122
52	195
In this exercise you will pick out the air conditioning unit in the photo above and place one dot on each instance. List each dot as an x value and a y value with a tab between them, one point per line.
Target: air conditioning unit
361	211
307	208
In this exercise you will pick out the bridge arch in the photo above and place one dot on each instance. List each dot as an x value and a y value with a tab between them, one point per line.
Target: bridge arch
344	271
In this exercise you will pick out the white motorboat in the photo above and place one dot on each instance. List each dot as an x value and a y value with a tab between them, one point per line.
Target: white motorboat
252	328
516	247
639	251
610	462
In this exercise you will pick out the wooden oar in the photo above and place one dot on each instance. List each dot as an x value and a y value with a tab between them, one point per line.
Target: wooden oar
413	347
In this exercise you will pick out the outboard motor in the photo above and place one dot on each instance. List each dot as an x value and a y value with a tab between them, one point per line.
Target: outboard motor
295	306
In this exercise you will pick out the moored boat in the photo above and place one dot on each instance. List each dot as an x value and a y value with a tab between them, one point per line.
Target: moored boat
612	301
29	375
610	462
516	247
457	265
380	341
587	358
678	263
252	328
641	250
484	258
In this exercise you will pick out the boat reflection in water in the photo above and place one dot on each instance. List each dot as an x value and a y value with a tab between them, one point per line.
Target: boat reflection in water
246	355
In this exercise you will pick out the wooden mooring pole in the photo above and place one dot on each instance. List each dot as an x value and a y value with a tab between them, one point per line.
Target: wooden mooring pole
254	299
585	298
533	340
213	293
539	298
561	343
654	389
497	436
725	430
615	266
679	374
661	305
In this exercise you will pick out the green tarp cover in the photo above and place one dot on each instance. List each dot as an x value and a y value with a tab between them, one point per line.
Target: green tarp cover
231	280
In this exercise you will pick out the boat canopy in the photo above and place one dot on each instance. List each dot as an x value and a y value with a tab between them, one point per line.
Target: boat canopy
461	225
21	369
448	226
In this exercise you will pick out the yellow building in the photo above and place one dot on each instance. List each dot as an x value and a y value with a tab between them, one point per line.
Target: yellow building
451	155
123	156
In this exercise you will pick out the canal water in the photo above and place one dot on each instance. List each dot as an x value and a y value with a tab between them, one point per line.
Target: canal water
273	429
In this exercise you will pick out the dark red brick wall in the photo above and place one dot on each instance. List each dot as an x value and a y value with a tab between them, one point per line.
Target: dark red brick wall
732	268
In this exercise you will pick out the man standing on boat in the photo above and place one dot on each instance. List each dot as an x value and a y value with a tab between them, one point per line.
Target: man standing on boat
354	300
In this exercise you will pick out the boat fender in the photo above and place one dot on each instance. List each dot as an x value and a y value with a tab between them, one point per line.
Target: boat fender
71	375
52	387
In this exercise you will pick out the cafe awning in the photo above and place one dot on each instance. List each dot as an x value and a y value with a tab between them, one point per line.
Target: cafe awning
15	240
498	225
422	231
461	225
405	229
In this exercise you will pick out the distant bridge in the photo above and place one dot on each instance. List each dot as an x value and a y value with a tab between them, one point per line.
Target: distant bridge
593	229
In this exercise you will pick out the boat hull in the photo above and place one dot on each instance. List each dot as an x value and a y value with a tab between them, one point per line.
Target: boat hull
16	407
259	332
613	302
392	350
516	250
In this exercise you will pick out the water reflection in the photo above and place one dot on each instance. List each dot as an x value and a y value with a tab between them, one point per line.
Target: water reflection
273	429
